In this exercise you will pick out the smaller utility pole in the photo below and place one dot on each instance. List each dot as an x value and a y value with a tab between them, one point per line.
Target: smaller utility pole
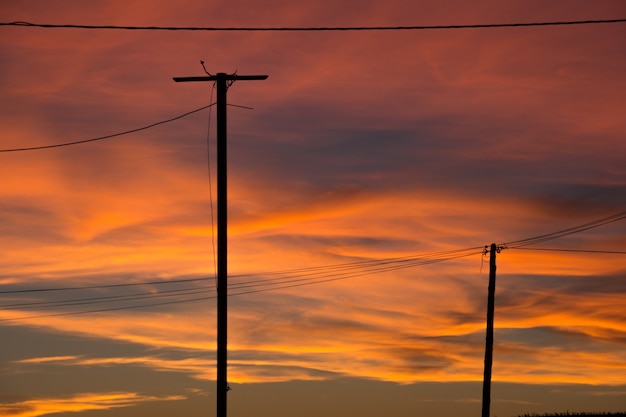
489	339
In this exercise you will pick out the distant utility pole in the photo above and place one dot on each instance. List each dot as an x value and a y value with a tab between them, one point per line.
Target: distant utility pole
223	81
489	339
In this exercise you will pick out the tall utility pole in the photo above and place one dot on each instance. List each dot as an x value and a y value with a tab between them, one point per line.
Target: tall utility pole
489	339
223	81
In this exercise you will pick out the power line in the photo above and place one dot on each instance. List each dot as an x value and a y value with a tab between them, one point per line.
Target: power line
210	178
102	310
91	287
103	299
274	283
329	273
332	273
78	142
312	29
290	281
609	252
373	264
285	282
565	232
290	272
294	277
346	275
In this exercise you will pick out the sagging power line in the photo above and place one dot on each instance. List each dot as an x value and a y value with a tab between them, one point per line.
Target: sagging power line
114	135
257	282
127	132
605	252
312	29
357	268
247	287
304	278
516	244
374	265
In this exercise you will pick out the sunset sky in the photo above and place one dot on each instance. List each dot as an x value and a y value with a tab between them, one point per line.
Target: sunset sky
364	183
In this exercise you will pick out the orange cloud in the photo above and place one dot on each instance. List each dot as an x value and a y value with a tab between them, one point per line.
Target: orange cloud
77	403
201	368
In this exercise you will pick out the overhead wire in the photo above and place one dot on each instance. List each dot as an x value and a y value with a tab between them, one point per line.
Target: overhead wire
606	252
114	135
307	280
208	158
78	142
275	283
102	310
249	287
101	299
290	272
565	232
91	287
365	262
284	283
312	28
314	275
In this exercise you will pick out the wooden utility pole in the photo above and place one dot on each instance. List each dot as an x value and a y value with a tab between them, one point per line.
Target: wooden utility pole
489	339
223	81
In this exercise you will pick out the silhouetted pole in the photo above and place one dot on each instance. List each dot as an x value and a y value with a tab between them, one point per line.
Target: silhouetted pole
223	81
489	340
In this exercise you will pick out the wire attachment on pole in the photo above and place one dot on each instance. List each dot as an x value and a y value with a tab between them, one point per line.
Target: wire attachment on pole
203	67
231	80
498	249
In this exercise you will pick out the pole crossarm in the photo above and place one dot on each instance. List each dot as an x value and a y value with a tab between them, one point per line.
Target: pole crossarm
229	77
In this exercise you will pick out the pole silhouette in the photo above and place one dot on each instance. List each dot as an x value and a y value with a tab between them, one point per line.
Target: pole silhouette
223	81
489	338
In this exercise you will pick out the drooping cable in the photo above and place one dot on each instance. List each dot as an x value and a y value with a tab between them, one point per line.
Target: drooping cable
114	135
312	29
300	276
566	232
248	287
606	252
208	152
363	264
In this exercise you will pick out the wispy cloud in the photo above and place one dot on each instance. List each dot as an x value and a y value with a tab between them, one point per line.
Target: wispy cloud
78	403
